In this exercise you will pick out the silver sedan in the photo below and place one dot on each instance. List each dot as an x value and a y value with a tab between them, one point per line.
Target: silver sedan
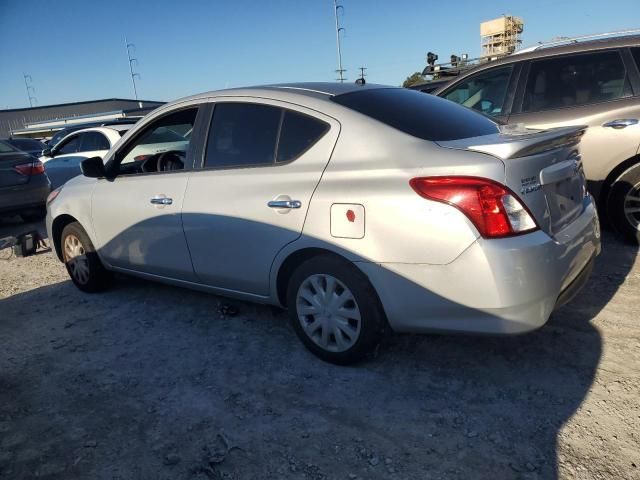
361	209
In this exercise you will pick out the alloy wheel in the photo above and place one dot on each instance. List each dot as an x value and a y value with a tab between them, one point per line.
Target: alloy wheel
75	257
632	206
328	313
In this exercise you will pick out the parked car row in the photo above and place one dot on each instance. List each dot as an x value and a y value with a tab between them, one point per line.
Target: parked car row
592	83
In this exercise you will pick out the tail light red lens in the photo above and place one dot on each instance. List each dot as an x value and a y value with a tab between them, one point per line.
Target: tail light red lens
494	209
28	169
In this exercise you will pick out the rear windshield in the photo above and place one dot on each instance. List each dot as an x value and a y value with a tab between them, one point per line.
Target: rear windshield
418	114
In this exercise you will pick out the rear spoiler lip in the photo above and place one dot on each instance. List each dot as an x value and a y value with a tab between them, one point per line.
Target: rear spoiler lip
515	142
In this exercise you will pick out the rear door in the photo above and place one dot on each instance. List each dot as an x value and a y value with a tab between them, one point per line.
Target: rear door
249	199
593	89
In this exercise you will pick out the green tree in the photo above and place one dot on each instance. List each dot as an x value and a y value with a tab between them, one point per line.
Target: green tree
413	79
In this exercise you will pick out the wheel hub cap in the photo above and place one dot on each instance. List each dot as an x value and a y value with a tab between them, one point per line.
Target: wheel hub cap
328	313
76	258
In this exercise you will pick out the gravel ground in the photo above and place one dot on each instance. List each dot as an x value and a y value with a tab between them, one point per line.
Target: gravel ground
149	381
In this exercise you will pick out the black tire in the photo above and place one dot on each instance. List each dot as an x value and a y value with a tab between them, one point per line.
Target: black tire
95	278
372	322
34	215
616	200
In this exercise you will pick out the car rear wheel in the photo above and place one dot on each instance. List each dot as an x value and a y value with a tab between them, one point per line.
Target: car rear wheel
623	205
82	261
334	310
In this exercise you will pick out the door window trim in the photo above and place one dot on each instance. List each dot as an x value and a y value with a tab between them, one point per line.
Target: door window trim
113	163
283	109
522	87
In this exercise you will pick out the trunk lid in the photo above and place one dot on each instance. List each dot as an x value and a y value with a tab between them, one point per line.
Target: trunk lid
542	167
9	160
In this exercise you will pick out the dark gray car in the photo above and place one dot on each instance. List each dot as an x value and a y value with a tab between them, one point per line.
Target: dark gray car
24	186
592	83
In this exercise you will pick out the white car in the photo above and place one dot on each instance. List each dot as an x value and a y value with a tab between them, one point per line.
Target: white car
62	162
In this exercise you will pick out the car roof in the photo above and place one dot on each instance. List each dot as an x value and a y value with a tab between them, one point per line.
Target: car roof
315	90
543	52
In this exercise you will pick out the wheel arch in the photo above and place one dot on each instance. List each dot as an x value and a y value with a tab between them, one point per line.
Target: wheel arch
614	175
57	226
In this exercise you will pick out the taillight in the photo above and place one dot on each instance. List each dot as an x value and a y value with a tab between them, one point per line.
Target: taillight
494	209
28	169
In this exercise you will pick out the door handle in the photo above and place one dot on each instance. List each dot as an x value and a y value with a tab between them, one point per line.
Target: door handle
162	200
284	204
621	123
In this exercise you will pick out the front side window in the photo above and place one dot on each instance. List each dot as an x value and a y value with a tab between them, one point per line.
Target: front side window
92	141
161	146
574	81
485	92
71	145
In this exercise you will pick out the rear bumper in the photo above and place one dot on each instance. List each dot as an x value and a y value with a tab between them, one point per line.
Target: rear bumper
24	197
503	286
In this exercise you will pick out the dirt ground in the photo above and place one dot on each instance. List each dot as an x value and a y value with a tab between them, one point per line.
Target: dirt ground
153	382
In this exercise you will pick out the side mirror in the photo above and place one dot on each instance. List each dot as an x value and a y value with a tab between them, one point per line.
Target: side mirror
93	168
47	152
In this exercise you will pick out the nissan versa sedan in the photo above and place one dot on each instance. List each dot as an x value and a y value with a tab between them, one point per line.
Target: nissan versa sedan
361	209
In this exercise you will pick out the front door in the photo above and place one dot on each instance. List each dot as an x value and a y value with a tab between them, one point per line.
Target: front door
250	198
137	215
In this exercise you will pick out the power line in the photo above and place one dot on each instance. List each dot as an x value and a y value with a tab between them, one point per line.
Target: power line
339	29
133	74
28	84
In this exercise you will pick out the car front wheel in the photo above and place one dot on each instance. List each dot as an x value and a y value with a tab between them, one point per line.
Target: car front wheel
334	310
82	261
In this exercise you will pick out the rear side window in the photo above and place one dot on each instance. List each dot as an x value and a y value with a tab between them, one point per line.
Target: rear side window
424	116
298	133
6	148
575	80
485	92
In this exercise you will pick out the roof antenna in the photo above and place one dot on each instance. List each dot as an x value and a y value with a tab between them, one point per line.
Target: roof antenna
339	29
361	80
133	74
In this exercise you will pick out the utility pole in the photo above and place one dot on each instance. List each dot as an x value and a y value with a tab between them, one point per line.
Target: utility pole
133	74
28	84
339	29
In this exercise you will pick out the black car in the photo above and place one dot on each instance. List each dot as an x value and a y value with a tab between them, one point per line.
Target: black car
24	186
29	145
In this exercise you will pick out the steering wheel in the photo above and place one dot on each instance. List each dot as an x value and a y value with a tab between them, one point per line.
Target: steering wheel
171	160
